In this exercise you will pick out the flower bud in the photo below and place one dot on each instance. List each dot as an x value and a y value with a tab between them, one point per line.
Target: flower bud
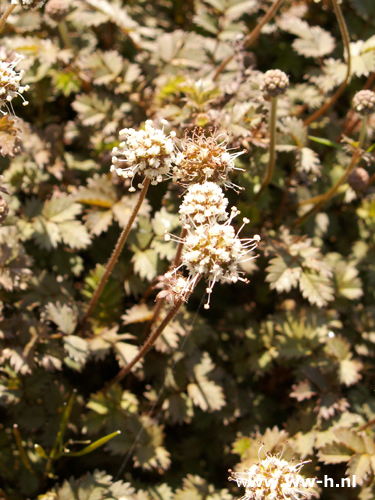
57	9
358	179
275	83
364	102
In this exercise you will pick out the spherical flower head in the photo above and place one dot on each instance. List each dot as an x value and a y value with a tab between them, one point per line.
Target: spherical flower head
272	479
149	152
275	83
203	203
215	251
364	102
29	4
57	9
358	179
205	159
10	83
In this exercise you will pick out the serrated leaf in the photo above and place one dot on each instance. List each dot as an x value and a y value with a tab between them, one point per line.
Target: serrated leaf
125	353
349	371
91	110
74	234
207	21
62	315
350	439
335	453
205	393
283	274
106	66
309	161
77	348
347	282
98	221
363	56
17	360
178	408
145	264
360	467
313	41
302	390
137	314
316	289
60	209
238	8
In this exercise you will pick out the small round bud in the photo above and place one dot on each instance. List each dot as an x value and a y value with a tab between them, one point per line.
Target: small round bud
57	9
275	83
4	210
358	179
364	102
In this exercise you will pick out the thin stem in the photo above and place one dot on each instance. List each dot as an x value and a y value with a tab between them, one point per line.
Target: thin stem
21	449
146	346
115	255
340	90
280	211
333	190
176	262
251	37
272	148
6	14
63	30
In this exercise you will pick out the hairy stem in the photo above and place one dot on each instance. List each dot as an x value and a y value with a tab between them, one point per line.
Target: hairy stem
251	37
146	346
6	14
272	148
340	90
331	192
176	262
115	255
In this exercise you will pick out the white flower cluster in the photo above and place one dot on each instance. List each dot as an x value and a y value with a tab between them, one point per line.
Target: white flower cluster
29	4
202	203
147	151
212	251
273	479
10	82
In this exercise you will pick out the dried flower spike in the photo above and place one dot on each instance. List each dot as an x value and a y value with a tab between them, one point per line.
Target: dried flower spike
364	102
358	179
149	152
272	479
10	83
29	4
205	159
275	83
203	203
214	253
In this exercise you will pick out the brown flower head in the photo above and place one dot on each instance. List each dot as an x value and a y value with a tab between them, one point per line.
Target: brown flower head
205	159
